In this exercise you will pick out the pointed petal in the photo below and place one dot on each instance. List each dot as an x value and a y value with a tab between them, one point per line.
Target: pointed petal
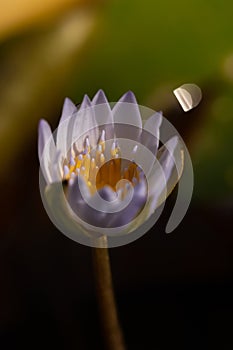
44	132
46	149
68	109
128	97
150	134
170	158
86	102
85	125
64	134
126	111
103	114
99	98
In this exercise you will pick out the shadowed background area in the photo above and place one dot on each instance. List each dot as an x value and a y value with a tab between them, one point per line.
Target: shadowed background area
172	290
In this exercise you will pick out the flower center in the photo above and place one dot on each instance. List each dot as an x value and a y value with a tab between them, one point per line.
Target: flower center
97	172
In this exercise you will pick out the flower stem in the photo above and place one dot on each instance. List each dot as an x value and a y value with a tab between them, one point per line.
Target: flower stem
107	306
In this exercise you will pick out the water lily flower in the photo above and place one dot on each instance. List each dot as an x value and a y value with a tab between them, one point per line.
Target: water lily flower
103	172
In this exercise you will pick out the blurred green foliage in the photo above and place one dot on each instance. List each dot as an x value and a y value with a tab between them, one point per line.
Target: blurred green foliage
144	44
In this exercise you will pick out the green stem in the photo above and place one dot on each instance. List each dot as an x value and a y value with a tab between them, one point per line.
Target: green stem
107	306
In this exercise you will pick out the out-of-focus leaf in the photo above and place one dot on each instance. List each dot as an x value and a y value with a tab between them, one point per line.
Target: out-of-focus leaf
34	74
146	44
16	15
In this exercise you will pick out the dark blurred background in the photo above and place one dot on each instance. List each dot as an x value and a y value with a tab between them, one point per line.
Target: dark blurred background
172	290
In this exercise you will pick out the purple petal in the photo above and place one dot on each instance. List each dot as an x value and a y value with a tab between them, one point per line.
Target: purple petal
68	109
46	149
64	135
170	157
85	125
129	213
126	111
150	133
128	97
103	114
56	167
164	178
102	217
86	102
99	98
44	132
107	194
77	192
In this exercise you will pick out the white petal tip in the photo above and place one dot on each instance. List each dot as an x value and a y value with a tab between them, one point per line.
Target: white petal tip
68	108
86	102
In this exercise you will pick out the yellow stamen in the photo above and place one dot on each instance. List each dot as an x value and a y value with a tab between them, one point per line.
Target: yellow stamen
126	174
98	154
113	150
102	140
93	173
97	171
86	162
79	161
82	171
